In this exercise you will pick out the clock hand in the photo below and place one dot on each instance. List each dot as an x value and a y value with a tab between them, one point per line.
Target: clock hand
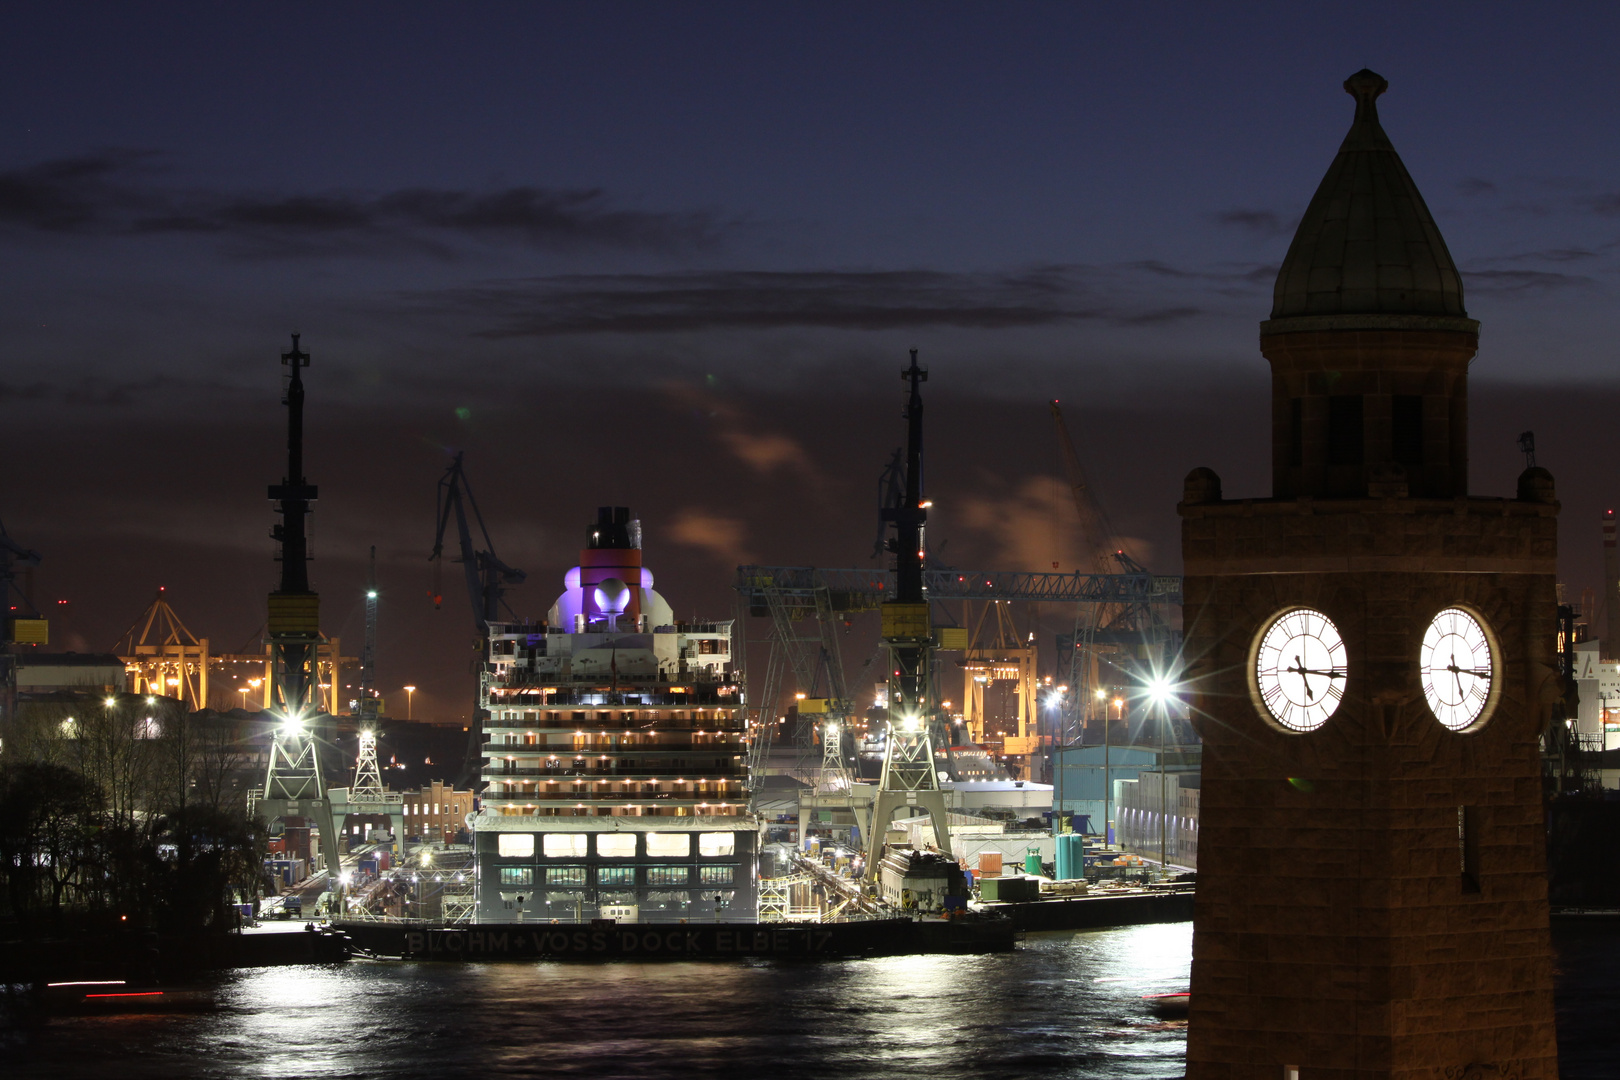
1302	671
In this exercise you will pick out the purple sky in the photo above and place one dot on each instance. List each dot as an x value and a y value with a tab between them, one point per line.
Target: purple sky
673	258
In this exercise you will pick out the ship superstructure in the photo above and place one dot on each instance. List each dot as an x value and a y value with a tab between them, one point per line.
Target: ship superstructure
614	776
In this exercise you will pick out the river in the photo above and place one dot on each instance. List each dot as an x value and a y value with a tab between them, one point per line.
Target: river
1063	1005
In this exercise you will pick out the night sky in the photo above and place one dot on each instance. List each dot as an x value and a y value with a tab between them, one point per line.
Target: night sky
673	256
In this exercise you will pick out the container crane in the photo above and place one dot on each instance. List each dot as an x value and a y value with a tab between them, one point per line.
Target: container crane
487	579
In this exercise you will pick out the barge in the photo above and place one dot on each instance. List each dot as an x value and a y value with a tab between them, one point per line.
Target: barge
606	939
1096	911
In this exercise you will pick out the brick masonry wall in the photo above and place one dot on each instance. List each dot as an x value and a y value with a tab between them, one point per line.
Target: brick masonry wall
1334	928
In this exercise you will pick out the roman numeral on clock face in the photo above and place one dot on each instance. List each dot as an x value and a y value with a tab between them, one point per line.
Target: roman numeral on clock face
1300	669
1457	668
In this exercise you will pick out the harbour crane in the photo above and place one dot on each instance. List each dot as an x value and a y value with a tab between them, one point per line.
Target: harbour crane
366	706
487	579
1120	606
910	775
23	624
294	786
1097	531
1136	633
487	576
13	554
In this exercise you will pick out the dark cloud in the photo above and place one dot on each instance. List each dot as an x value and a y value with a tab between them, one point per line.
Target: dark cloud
36	391
1605	205
1163	315
1560	255
1260	222
758	300
1522	280
80	194
1473	186
112	194
1259	274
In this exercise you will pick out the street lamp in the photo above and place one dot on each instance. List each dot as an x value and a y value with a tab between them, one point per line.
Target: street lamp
1161	690
410	692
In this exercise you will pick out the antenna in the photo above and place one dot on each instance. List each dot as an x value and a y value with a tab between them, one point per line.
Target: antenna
1527	447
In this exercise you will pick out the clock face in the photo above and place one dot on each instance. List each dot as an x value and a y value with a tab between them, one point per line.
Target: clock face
1299	669
1458	668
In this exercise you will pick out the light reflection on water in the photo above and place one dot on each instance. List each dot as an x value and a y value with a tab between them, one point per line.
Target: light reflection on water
1063	1005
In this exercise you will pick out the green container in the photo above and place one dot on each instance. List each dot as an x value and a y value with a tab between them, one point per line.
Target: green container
1032	861
1008	890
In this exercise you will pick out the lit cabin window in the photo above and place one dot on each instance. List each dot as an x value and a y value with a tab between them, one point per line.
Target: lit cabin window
669	845
565	845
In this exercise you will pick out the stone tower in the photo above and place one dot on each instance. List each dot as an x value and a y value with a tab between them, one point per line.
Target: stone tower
1372	652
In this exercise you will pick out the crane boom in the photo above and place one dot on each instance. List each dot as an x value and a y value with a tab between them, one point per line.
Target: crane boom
486	575
1097	531
487	581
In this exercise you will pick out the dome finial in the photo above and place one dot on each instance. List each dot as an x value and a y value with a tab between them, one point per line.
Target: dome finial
1365	86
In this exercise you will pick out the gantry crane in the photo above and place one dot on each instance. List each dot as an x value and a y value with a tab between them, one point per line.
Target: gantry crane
293	784
487	579
792	594
910	775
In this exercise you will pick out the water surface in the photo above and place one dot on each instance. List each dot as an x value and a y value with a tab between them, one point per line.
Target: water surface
1064	1005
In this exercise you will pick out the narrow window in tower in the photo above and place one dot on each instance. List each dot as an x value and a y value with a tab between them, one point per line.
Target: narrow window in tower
1296	432
1344	429
1406	428
1468	846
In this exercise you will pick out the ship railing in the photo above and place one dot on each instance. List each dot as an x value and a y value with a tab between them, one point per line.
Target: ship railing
730	795
590	691
597	775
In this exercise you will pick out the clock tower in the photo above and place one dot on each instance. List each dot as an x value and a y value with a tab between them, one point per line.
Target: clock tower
1371	651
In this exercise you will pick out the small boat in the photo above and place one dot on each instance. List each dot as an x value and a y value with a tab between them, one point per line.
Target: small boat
1175	1004
115	996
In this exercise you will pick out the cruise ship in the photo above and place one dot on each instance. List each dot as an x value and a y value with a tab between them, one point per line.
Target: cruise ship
615	779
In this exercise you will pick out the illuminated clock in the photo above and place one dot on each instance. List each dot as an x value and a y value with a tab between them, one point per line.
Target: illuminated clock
1300	669
1458	668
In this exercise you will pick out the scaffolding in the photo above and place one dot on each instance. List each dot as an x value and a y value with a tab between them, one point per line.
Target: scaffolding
788	899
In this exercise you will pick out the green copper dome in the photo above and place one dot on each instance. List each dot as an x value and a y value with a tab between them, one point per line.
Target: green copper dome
1367	244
